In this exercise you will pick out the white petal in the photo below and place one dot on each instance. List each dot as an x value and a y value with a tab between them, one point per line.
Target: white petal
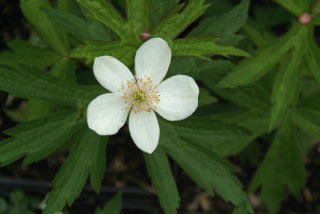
153	59
178	97
106	114
144	130
110	72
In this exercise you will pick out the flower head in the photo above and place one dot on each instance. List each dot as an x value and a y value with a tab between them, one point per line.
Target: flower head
175	98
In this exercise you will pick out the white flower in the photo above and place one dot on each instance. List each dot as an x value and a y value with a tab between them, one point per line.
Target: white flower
174	99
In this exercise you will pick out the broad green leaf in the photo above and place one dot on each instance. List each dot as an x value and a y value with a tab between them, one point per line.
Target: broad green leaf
260	37
76	26
56	38
119	50
159	171
294	6
38	139
252	69
286	85
85	157
179	19
113	206
206	168
104	12
160	8
31	83
23	52
197	47
138	16
316	20
282	166
213	25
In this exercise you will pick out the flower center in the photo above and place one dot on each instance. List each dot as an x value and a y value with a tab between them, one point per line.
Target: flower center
140	94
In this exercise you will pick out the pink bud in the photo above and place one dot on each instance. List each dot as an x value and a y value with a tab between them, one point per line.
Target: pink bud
305	18
145	35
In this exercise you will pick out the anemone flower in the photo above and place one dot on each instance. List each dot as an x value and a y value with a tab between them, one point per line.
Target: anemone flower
175	98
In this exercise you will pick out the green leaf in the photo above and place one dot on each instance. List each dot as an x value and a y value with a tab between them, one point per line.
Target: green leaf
23	52
312	56
113	206
197	47
160	8
31	83
179	19
205	98
286	86
252	69
206	168
56	38
119	50
38	139
162	180
294	6
72	176
234	19
307	114
282	166
104	12
78	27
138	16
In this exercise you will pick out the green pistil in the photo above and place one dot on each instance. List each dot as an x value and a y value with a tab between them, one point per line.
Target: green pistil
139	96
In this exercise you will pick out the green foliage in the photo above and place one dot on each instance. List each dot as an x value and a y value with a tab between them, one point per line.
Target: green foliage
162	180
282	167
206	168
159	8
86	158
35	84
56	38
39	138
213	25
113	206
295	7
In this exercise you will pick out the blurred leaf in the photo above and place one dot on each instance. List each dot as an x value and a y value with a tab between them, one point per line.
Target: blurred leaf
197	47
56	38
34	84
282	166
213	25
3	206
113	206
252	69
119	50
205	98
312	54
38	139
72	176
294	6
159	171
178	20
206	168
25	53
78	27
160	8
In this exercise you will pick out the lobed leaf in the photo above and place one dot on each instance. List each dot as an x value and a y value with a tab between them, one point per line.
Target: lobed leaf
162	180
179	19
206	168
213	25
160	8
39	138
31	83
282	166
197	47
252	69
72	176
138	16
